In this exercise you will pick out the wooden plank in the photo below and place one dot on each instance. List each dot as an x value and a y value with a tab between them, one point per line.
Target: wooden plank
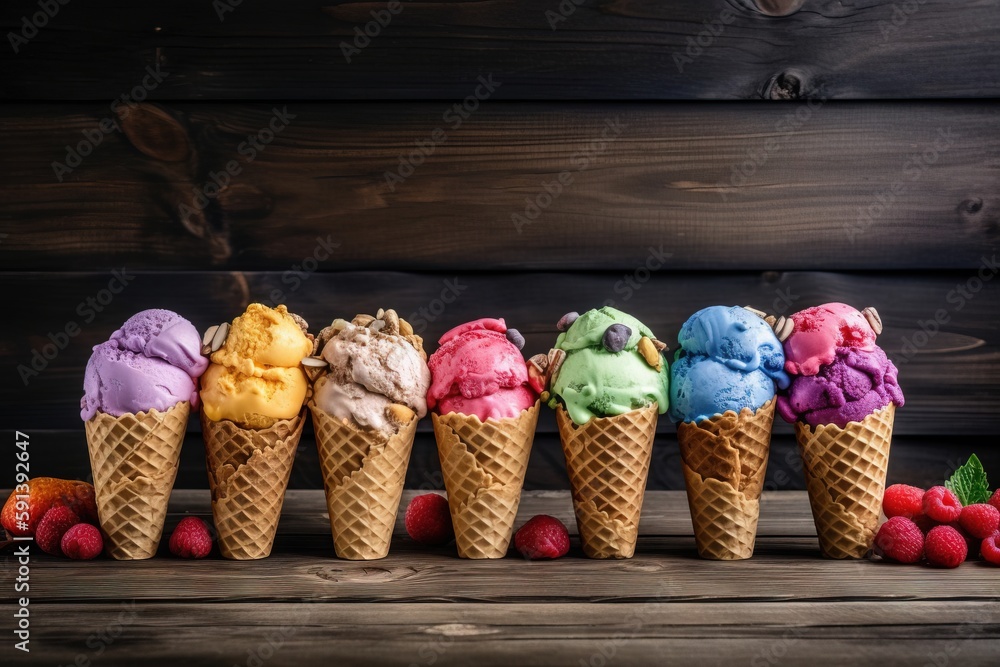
567	634
717	187
666	568
596	49
950	378
921	461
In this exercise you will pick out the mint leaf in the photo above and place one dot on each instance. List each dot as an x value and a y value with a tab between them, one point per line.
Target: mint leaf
969	483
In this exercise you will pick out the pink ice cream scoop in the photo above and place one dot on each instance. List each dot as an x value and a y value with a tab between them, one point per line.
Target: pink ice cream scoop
152	362
820	331
856	383
479	370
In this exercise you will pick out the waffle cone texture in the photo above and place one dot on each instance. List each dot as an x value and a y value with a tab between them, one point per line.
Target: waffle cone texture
248	471
363	474
607	460
845	475
724	459
134	461
483	464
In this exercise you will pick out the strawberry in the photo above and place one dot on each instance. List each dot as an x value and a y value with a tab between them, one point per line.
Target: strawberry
82	542
44	493
191	538
543	536
428	520
53	526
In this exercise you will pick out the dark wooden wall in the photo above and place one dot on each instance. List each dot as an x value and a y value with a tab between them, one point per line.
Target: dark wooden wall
778	153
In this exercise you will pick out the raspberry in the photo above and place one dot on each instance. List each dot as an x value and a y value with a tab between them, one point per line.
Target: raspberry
82	542
941	504
543	536
980	520
945	547
990	549
903	500
900	539
995	499
53	526
191	538
428	520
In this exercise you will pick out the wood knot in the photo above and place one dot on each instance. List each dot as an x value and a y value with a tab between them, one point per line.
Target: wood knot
778	7
786	85
971	206
155	132
364	573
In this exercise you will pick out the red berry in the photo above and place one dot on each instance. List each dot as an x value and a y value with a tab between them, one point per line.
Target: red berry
995	499
945	547
980	520
903	500
941	504
428	520
82	542
543	536
53	526
900	539
990	549
191	538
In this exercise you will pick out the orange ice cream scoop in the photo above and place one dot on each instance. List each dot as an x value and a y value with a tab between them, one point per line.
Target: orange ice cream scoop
255	378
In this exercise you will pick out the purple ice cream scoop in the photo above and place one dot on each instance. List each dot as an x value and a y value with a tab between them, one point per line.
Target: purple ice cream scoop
152	362
855	384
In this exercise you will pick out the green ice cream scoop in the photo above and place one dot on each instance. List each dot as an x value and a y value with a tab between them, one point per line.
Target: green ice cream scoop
613	365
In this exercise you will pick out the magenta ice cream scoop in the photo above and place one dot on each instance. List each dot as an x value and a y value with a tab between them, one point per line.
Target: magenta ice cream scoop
856	383
152	362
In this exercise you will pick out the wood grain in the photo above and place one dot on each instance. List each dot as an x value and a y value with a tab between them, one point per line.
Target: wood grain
950	382
717	187
920	461
666	568
659	633
588	49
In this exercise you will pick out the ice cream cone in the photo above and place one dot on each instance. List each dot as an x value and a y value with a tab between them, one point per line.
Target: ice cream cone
483	465
724	459
845	475
134	461
608	461
248	472
363	473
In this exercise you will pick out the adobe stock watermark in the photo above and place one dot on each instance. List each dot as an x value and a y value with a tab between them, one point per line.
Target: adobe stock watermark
562	12
87	310
300	272
93	137
915	166
957	298
223	7
101	640
698	44
535	205
451	290
363	35
631	283
453	117
901	13
248	151
30	25
787	126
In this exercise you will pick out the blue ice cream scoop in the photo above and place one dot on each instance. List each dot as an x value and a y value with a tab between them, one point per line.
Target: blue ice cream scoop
729	359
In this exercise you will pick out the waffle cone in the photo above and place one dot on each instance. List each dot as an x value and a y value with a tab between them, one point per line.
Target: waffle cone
724	459
363	473
608	461
483	465
248	471
134	462
845	475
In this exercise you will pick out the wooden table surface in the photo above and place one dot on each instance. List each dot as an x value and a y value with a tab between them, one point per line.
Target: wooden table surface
420	606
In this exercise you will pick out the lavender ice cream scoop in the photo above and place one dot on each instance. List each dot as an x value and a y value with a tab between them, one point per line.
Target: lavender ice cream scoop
855	384
152	362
